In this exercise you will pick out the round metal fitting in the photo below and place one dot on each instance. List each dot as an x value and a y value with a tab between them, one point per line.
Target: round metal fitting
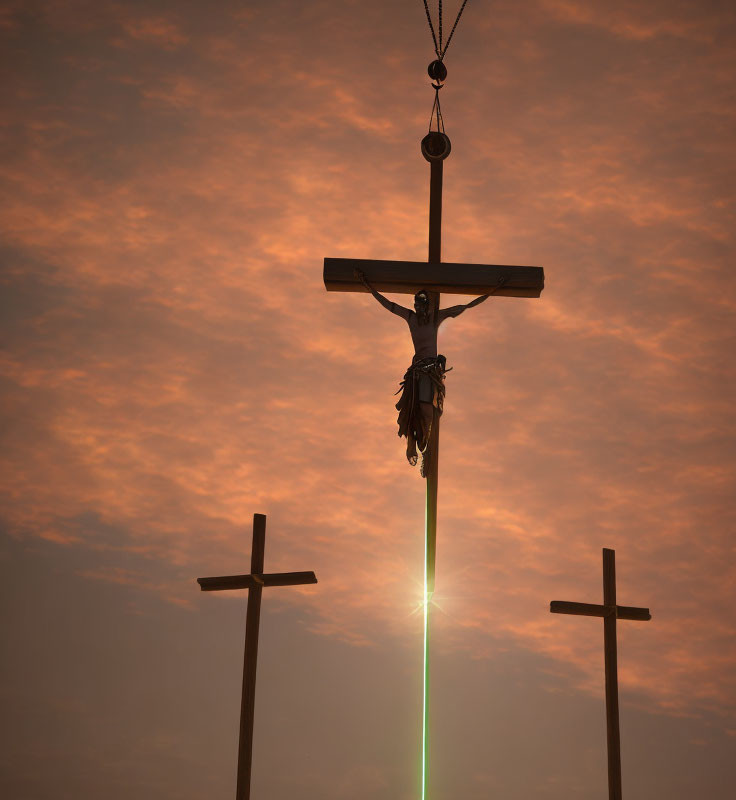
437	71
436	146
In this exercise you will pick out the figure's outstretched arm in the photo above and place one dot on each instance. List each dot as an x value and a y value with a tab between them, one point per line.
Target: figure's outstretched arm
394	308
455	311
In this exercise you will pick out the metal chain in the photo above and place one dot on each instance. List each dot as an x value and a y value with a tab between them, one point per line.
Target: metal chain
436	112
438	48
457	19
431	28
441	50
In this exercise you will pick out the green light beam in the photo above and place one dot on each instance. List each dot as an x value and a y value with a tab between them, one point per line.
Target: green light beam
425	704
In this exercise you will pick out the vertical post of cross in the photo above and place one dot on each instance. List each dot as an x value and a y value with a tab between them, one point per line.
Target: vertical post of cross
613	736
435	213
250	660
435	148
435	256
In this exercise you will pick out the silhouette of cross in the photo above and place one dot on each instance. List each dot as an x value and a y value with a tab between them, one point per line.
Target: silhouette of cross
254	583
610	612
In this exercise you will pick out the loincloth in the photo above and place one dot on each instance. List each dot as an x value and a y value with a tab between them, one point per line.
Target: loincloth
424	382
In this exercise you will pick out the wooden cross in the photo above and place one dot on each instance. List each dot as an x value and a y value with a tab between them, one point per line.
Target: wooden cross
254	583
610	612
408	277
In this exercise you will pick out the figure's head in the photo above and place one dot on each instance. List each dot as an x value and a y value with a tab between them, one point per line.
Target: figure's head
421	305
421	300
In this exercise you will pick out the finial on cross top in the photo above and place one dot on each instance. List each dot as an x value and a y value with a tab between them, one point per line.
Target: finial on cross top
437	71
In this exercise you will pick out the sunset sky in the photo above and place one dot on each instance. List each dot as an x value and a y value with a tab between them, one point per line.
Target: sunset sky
173	174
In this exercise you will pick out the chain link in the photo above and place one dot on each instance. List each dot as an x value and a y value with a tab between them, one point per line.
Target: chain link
457	19
431	28
439	48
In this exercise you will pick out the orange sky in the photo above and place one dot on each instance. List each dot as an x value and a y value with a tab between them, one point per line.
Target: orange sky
173	176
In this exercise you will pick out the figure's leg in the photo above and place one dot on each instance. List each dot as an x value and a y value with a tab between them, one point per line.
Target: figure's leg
426	414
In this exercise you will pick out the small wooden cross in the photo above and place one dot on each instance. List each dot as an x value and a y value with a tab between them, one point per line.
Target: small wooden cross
610	612
254	583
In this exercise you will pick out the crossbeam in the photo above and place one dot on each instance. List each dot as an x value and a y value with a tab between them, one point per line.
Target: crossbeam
591	610
254	583
408	277
610	612
251	581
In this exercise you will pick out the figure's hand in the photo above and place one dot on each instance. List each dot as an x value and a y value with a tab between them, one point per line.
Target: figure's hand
360	275
499	285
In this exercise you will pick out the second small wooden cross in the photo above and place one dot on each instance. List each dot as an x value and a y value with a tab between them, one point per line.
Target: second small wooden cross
610	611
254	583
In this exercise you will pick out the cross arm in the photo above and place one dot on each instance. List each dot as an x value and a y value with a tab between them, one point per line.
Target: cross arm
407	277
218	584
630	612
288	578
593	610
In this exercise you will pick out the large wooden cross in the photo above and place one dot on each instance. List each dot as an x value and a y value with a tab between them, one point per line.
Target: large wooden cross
254	583
408	277
610	612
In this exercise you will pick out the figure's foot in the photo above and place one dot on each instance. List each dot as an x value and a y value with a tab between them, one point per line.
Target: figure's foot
422	439
411	447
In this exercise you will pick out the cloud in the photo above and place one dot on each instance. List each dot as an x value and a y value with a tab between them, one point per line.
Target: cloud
174	363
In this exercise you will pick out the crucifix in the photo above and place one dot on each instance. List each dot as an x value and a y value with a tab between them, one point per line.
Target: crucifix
610	612
423	383
254	583
422	399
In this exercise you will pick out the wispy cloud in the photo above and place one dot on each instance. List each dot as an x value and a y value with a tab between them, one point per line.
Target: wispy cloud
174	364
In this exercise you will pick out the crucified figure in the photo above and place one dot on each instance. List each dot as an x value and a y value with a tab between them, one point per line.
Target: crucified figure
423	386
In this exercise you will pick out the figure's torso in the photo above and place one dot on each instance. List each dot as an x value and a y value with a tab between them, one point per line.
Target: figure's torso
423	336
